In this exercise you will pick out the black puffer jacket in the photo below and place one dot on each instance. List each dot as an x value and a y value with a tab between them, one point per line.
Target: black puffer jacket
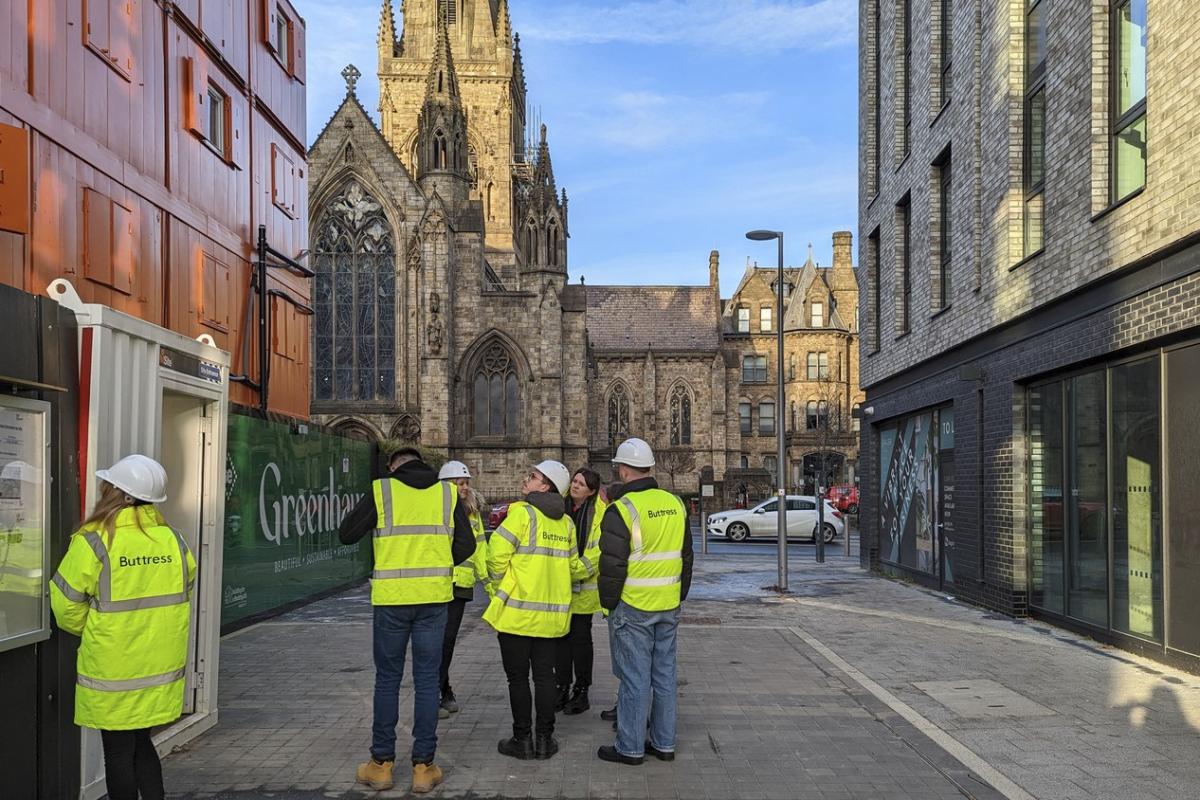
615	546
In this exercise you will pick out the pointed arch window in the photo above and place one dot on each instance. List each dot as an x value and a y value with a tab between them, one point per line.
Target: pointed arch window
552	244
439	150
681	416
618	414
354	338
495	394
531	253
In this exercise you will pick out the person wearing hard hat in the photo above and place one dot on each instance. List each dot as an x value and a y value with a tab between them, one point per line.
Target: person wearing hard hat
465	575
532	561
124	586
419	530
575	650
645	572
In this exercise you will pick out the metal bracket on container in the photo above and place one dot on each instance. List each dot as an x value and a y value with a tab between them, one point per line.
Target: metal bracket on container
268	258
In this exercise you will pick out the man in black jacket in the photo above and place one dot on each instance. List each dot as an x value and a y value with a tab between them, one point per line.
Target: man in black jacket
421	623
645	573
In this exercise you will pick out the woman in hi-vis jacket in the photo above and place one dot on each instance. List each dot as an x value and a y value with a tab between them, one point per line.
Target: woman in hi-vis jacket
124	587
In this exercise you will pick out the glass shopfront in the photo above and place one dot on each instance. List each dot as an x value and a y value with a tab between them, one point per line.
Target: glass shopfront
916	458
1095	488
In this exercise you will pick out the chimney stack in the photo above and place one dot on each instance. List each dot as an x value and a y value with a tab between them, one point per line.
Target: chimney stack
714	271
843	247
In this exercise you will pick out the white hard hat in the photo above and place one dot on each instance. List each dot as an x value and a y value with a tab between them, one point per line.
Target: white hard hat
20	471
634	453
557	474
453	470
138	476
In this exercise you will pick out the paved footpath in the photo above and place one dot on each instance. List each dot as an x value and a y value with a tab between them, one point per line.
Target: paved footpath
850	686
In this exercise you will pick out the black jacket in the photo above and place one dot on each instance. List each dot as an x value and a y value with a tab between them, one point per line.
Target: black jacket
615	546
418	475
582	517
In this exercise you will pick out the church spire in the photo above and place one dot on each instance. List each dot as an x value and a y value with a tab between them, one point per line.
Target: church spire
442	82
544	169
442	126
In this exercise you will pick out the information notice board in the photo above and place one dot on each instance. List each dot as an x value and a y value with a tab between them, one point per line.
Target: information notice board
24	515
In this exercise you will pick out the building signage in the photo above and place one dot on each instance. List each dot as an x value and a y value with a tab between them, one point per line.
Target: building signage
189	365
286	495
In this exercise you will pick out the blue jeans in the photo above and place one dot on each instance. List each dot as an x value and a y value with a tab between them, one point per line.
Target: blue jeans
395	627
643	652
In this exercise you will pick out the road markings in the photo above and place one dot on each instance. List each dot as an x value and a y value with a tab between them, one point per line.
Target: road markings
967	757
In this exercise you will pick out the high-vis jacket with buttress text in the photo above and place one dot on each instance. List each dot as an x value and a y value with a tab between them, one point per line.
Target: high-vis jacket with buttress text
532	560
585	597
475	568
413	532
657	523
128	597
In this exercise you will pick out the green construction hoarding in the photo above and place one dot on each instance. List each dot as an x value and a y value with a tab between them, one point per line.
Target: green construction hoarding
285	495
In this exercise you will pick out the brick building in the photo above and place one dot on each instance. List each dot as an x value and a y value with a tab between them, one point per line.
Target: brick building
1030	212
820	330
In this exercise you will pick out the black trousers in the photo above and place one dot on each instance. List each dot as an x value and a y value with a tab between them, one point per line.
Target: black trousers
454	618
575	653
131	765
520	655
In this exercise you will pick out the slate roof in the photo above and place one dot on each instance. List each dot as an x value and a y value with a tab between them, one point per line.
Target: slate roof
625	318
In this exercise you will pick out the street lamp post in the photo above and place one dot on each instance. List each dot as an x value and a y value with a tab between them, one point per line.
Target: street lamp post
781	485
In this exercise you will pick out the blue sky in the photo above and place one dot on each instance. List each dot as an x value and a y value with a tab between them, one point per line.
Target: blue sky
675	125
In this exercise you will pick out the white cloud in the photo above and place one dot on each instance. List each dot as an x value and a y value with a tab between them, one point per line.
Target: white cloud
743	25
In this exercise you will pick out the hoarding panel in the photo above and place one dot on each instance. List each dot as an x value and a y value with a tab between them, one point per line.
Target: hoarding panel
285	496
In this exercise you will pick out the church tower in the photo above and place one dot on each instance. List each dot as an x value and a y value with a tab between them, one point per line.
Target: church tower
491	85
441	144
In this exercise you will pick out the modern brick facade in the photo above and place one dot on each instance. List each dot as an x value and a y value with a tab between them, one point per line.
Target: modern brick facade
1114	279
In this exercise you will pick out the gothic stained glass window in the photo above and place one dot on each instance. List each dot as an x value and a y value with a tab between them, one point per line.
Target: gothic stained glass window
618	414
495	394
681	417
355	298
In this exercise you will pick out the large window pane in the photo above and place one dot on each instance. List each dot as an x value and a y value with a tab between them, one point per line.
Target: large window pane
1129	159
1136	487
1036	146
1047	511
1131	55
1088	502
1035	37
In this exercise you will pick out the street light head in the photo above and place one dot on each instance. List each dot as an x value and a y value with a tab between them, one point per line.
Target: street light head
763	236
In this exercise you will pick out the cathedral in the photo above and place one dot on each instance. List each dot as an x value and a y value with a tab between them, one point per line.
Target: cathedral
444	314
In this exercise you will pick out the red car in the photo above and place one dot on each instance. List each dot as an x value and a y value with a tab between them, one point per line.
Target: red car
497	515
844	498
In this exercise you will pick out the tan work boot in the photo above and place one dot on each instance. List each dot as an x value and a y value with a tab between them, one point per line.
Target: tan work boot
425	777
376	775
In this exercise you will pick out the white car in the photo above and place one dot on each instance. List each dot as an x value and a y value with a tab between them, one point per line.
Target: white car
762	521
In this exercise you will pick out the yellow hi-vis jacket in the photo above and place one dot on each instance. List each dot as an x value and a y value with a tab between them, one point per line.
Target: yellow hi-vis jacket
129	599
657	524
532	560
413	532
465	574
22	576
585	597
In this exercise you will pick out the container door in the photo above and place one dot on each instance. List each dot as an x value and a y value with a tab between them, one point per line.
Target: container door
183	452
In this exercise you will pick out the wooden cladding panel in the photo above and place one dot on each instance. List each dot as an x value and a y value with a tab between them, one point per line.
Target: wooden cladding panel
285	232
14	44
14	179
98	65
277	83
95	232
216	183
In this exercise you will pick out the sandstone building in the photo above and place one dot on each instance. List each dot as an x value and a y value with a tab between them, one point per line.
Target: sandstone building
444	312
1031	212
